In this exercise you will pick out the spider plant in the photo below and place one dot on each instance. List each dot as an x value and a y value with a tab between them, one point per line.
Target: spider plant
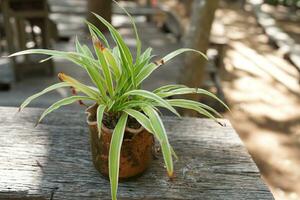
117	79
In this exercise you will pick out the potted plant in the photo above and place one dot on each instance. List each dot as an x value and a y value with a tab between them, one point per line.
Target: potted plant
124	119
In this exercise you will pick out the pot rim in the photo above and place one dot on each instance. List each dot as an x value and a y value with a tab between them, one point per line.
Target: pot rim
88	111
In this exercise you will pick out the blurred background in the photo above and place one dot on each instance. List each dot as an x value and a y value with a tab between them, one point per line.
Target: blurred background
253	48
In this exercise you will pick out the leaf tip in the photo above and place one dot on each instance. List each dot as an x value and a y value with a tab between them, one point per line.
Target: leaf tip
81	103
36	124
61	76
159	62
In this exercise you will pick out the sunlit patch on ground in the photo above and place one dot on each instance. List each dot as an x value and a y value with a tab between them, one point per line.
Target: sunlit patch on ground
264	93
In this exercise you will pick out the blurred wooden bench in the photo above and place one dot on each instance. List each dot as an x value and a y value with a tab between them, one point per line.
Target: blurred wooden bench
20	18
277	37
53	161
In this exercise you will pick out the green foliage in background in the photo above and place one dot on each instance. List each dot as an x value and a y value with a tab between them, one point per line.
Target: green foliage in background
117	79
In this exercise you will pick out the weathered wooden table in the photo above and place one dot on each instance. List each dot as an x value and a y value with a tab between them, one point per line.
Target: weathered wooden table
53	161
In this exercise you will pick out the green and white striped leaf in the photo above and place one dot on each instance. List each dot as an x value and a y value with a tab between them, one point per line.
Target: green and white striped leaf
201	105
106	72
151	67
79	86
161	135
63	102
112	63
123	48
167	88
144	58
149	95
102	61
191	105
114	154
133	104
91	69
100	113
141	118
94	29
138	41
182	91
71	56
46	90
87	52
141	64
180	51
97	79
145	122
125	53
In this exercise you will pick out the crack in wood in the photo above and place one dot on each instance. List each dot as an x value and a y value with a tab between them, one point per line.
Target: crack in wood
53	192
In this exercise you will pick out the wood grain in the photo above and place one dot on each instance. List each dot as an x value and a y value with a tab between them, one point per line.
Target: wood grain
54	159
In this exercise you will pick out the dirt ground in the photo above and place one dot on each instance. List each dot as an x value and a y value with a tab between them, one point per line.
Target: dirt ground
264	94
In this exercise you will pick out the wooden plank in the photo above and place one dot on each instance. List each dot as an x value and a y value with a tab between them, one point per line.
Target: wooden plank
294	56
54	158
136	10
30	14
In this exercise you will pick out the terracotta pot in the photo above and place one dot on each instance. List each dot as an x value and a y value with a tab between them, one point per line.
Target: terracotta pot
136	151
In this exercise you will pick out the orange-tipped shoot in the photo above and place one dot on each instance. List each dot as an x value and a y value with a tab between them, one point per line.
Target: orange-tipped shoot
98	44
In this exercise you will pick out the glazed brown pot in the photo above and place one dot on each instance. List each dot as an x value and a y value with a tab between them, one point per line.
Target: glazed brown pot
136	151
